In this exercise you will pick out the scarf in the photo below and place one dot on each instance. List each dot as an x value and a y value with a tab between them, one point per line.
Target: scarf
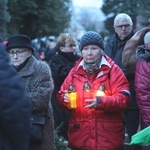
92	67
69	56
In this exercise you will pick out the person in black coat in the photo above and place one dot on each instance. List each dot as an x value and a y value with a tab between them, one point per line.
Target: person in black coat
50	48
123	27
14	108
61	63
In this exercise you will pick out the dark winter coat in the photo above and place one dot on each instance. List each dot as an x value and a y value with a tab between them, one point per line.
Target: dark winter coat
102	127
37	79
61	63
14	108
49	53
114	48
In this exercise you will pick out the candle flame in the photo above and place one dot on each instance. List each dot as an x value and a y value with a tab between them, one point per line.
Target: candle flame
100	93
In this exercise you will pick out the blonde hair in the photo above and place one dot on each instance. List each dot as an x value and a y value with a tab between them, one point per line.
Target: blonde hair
63	38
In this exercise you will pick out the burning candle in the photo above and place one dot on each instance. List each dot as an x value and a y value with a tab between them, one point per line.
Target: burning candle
100	93
72	96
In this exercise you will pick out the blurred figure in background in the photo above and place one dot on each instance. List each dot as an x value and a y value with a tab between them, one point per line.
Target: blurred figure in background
123	27
42	49
61	63
14	108
50	48
37	80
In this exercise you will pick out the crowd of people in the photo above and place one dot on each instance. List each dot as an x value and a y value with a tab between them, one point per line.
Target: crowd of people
94	97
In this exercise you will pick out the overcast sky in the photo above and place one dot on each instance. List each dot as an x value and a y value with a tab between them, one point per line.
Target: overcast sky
87	3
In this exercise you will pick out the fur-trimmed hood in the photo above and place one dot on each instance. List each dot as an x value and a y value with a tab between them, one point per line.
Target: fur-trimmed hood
143	52
129	53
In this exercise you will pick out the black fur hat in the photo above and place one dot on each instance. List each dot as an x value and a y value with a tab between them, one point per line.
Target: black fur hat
19	40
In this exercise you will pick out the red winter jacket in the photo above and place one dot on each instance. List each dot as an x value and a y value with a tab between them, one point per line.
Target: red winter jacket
142	84
101	128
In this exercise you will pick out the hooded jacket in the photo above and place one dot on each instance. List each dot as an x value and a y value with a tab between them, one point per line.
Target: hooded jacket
129	51
95	129
142	85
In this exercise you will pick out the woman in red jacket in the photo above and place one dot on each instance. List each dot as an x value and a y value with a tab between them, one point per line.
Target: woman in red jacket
101	92
142	82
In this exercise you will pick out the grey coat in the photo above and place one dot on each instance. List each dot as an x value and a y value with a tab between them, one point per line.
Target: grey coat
37	79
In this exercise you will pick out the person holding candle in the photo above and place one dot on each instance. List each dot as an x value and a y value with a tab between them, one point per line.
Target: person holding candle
102	94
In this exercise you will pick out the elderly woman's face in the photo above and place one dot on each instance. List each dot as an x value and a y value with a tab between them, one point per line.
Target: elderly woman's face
91	53
19	55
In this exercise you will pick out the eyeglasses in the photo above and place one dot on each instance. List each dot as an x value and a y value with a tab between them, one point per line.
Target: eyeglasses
124	25
18	53
71	45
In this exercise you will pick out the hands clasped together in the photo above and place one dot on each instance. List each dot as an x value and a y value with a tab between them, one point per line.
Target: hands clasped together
91	103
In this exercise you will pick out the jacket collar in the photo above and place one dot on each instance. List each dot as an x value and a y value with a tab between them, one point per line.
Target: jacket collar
103	62
28	69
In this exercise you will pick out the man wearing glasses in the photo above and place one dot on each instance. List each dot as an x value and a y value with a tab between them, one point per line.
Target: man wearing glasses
123	27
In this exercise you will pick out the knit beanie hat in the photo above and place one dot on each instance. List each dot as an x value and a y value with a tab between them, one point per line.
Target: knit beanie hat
91	38
19	40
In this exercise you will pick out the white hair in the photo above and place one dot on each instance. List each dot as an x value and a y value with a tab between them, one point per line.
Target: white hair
122	17
147	38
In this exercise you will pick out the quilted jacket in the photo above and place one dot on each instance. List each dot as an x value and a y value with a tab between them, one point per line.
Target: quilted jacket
100	128
142	83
